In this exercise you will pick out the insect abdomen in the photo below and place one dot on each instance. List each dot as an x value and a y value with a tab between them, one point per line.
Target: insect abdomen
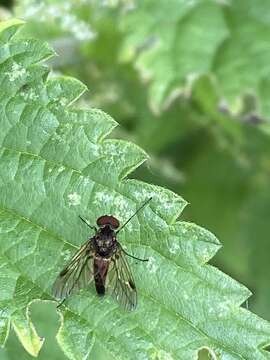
100	272
100	288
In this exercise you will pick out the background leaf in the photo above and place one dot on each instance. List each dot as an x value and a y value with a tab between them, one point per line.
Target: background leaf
201	37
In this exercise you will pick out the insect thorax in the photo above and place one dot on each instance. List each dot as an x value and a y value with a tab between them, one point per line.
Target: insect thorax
105	242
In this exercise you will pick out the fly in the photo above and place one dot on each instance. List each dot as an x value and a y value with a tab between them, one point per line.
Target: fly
101	259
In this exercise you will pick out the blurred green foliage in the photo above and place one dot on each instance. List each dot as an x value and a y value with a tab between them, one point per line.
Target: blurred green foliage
189	82
46	321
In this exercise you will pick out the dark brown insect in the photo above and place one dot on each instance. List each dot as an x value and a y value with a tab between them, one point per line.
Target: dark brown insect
102	260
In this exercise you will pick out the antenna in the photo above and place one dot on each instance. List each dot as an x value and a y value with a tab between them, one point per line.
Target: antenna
86	222
136	212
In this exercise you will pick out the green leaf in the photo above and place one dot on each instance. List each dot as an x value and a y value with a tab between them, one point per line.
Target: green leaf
47	320
241	64
175	41
56	163
52	18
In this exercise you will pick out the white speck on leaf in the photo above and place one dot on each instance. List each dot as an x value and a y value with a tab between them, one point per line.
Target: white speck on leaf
63	101
86	181
74	199
161	355
167	205
103	197
60	169
174	247
224	307
32	95
2	322
205	255
56	137
66	255
151	265
186	296
61	13
17	71
144	194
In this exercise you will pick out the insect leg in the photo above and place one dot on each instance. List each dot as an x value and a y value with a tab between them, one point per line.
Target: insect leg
61	302
134	257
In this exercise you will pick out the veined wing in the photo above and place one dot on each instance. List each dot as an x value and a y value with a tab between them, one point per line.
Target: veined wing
120	281
76	275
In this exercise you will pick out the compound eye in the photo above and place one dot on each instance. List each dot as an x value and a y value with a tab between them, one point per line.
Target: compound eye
108	220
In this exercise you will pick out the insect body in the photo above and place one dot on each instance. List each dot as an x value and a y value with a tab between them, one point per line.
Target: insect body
102	260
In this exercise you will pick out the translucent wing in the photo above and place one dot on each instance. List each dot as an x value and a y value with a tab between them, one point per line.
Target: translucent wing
121	284
76	275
